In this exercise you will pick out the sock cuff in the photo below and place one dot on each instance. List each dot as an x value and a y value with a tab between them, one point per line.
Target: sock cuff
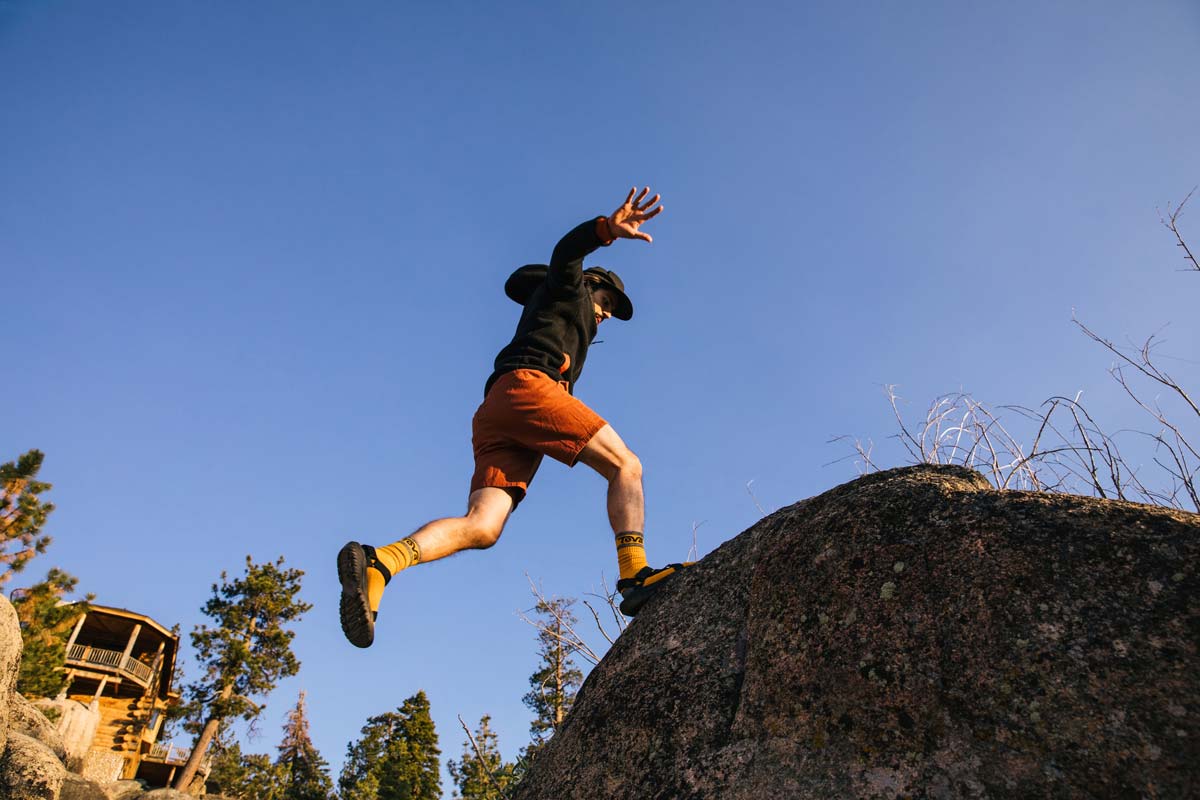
629	539
414	550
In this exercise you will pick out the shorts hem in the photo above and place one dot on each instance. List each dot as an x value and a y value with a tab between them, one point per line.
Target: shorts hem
584	442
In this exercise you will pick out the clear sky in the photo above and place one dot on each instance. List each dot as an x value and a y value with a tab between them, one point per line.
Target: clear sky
252	259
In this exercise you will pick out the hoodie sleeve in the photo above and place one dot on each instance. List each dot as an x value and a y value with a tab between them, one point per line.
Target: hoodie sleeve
566	264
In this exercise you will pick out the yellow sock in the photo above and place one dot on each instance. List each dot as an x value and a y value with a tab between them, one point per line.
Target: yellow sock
375	584
394	558
631	553
399	555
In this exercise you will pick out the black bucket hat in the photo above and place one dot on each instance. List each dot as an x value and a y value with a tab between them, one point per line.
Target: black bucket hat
520	285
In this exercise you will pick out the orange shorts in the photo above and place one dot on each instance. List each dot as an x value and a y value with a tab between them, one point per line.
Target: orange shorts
527	415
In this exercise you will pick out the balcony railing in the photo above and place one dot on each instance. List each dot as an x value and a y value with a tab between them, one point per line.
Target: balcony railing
168	753
176	756
112	659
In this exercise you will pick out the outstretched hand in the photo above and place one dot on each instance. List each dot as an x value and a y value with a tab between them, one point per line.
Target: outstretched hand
626	221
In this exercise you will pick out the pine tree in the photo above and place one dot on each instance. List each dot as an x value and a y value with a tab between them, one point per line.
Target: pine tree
245	776
46	623
397	757
557	681
246	653
481	775
305	772
22	513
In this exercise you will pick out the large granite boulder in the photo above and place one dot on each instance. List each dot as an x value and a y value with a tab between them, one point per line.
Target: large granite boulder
76	787
29	770
25	717
913	633
10	662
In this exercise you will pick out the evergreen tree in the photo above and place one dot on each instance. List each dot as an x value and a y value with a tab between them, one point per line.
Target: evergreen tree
247	651
22	513
481	775
557	681
396	758
46	623
305	772
245	776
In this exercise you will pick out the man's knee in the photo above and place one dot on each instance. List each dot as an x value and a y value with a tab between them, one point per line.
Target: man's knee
629	465
485	529
485	535
610	456
622	464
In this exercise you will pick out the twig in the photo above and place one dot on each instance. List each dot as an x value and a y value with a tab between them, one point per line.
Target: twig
750	492
694	549
572	640
482	761
1146	367
1172	225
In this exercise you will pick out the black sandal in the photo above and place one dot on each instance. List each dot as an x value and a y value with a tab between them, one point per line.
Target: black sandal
358	621
641	587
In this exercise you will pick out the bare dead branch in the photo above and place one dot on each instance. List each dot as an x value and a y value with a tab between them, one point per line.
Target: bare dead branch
750	492
907	439
694	550
1145	366
563	632
482	760
1172	224
862	452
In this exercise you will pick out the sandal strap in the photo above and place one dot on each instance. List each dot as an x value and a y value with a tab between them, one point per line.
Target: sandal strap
372	561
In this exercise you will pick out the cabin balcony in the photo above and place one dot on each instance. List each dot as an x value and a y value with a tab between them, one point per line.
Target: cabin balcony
160	763
166	753
84	655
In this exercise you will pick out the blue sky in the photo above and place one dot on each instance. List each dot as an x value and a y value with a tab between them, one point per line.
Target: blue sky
253	258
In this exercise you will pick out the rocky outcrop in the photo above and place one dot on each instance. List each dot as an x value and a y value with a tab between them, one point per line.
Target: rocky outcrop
29	770
10	662
26	718
77	788
913	633
75	723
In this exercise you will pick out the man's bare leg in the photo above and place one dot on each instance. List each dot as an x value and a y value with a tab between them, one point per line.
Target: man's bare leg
607	454
487	511
364	571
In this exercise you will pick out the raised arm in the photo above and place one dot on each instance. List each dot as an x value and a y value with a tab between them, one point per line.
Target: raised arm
566	264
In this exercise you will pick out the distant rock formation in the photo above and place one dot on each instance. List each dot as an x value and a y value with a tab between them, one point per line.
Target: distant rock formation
913	633
32	751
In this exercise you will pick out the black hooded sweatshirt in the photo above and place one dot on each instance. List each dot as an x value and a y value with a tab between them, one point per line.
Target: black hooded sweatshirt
559	322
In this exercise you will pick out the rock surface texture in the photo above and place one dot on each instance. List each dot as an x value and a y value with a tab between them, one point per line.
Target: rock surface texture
913	633
10	663
29	770
25	717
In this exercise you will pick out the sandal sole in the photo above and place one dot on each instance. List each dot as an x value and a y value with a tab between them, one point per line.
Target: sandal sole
354	608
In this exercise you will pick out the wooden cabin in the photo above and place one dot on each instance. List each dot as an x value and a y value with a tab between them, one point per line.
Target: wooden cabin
120	664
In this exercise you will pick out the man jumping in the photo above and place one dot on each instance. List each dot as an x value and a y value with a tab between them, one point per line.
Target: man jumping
529	411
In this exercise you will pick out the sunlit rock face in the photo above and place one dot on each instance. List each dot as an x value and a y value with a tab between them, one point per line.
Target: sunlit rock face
10	662
913	633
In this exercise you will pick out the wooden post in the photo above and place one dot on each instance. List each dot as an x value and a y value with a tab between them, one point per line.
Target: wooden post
100	689
75	633
129	647
62	694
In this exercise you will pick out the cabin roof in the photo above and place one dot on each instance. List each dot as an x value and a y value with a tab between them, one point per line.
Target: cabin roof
94	608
